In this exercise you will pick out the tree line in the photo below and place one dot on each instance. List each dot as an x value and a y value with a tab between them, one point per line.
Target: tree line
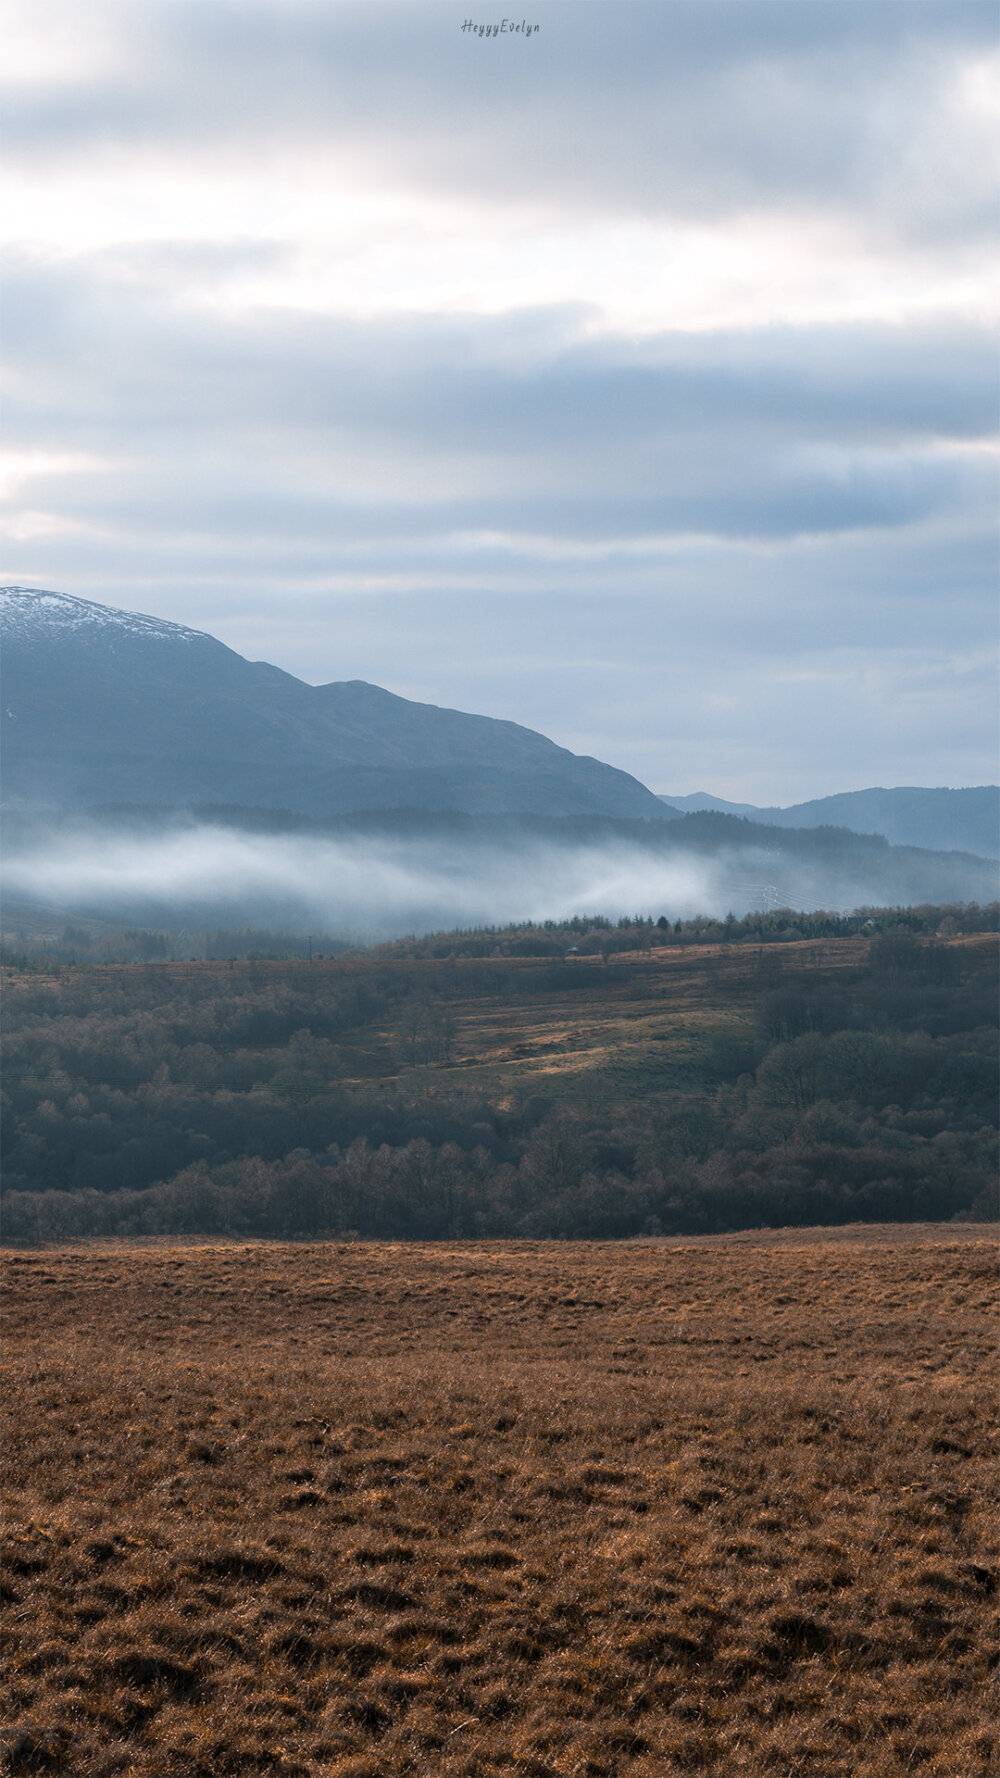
582	935
271	1101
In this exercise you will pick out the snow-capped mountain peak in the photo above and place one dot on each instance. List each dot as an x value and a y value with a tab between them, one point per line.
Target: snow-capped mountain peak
31	611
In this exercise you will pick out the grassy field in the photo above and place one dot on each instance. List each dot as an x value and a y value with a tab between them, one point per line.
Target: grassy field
712	1505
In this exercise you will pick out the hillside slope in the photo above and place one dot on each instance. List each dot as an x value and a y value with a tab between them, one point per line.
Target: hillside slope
104	706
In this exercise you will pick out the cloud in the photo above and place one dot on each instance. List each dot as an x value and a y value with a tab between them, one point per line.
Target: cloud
728	103
655	348
443	426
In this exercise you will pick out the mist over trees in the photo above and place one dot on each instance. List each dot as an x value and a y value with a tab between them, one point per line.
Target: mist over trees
362	879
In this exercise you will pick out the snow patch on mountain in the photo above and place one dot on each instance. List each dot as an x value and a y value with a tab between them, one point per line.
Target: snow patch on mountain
29	611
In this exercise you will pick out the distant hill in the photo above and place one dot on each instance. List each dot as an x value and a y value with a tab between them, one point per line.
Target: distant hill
939	820
700	803
104	706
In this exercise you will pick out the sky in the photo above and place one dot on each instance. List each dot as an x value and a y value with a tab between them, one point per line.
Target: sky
631	376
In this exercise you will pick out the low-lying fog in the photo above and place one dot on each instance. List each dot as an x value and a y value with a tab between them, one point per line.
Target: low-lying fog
368	886
363	887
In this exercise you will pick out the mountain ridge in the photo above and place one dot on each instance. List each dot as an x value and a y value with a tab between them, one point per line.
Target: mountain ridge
103	706
108	706
936	818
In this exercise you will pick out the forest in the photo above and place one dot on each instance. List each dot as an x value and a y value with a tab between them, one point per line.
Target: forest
579	1081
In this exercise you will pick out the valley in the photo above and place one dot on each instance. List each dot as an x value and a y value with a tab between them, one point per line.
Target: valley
646	1084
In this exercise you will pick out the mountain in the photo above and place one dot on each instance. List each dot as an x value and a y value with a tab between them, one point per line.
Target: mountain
701	803
104	706
939	820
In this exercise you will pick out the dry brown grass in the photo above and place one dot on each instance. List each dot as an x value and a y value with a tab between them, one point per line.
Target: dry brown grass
706	1506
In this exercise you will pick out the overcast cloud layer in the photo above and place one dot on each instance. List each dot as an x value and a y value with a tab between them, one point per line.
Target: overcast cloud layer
634	379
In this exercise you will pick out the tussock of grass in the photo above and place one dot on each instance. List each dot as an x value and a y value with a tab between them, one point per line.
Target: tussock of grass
710	1506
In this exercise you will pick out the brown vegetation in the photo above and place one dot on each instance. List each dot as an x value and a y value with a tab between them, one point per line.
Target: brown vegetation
698	1506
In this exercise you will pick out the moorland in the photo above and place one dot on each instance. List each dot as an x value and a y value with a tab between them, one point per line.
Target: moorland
699	1505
